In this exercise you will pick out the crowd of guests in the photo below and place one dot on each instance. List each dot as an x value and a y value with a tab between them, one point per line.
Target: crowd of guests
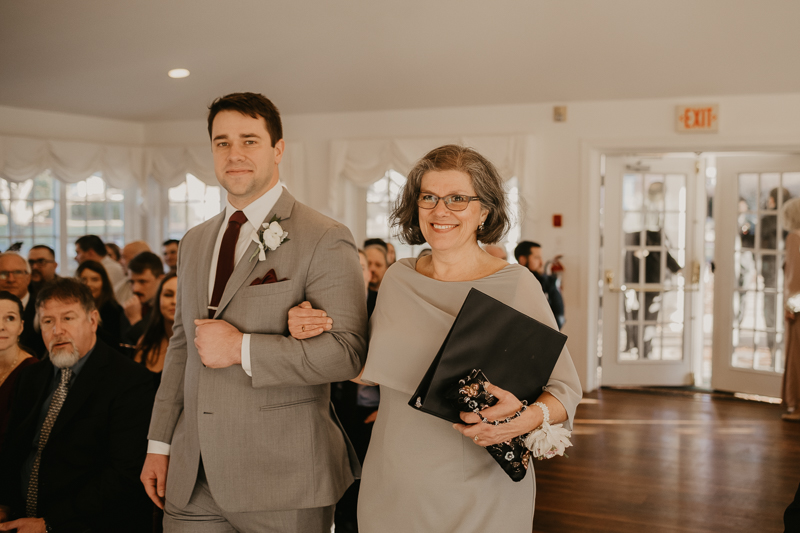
113	321
101	339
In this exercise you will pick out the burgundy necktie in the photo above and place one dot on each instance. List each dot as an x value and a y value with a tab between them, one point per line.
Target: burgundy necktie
226	259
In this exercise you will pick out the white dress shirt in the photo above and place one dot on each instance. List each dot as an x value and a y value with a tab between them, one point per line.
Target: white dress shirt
256	214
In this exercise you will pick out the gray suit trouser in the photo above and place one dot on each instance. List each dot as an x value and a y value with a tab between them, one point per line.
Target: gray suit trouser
203	515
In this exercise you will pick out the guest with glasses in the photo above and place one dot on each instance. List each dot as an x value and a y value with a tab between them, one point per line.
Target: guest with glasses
422	473
42	261
15	277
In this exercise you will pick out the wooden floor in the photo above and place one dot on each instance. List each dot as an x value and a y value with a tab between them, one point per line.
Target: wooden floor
670	462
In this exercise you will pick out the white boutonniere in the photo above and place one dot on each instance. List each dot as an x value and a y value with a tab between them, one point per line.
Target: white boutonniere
269	236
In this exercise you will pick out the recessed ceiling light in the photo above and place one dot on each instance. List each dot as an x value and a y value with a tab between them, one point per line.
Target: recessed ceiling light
178	73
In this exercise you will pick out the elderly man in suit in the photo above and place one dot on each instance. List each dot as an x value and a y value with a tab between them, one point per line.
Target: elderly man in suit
243	436
78	431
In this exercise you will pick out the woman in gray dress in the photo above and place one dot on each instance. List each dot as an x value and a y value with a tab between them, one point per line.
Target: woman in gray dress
421	473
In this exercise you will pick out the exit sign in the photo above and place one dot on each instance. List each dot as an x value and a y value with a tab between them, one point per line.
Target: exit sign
697	118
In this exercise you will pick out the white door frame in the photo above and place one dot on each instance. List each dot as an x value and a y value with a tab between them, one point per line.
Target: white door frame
591	154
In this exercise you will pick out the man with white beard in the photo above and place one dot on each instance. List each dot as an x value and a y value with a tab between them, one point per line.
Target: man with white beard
77	437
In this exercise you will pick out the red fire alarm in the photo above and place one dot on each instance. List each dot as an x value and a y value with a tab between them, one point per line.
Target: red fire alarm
556	221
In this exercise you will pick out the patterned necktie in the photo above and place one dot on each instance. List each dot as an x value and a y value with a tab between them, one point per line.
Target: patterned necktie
47	426
226	259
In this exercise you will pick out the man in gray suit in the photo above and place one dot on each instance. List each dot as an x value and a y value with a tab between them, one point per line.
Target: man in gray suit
243	437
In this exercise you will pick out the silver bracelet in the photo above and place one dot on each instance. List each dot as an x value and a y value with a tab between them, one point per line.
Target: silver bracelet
508	418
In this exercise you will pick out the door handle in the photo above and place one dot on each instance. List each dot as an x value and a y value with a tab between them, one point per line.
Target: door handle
609	275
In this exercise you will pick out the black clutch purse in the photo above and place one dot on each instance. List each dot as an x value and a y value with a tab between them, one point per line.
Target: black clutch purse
470	395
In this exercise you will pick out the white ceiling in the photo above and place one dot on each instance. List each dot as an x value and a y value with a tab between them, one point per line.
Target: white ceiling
110	58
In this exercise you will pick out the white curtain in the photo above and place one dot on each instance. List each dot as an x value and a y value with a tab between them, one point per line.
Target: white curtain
125	166
361	162
23	159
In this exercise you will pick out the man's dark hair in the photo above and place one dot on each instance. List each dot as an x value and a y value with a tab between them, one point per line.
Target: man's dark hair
94	243
250	104
378	242
66	290
147	261
45	247
170	241
524	248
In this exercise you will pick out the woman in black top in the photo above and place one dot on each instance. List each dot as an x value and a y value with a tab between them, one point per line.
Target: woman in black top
113	322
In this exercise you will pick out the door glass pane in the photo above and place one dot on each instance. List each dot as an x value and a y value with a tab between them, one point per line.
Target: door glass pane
769	191
675	192
742	348
632	192
748	191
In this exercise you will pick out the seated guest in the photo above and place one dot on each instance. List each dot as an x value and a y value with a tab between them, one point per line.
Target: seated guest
152	347
146	272
131	250
15	278
378	263
77	438
91	248
114	324
12	357
170	254
529	255
113	251
42	260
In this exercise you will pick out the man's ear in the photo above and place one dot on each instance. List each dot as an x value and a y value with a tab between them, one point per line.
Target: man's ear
94	319
279	147
522	260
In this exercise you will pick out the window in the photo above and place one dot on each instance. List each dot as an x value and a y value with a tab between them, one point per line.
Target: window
382	195
191	203
93	208
29	212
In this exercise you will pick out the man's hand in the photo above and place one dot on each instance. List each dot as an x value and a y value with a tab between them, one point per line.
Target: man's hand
306	322
154	477
218	343
133	309
24	525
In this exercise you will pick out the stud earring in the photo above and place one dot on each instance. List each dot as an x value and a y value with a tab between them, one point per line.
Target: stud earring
480	228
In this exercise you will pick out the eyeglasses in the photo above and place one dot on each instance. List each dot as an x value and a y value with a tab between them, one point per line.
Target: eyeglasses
4	274
39	262
453	202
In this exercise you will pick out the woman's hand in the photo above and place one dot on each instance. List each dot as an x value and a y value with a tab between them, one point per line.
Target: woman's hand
788	315
306	322
506	407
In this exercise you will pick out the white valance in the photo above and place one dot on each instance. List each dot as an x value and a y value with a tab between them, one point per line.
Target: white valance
70	161
361	162
123	167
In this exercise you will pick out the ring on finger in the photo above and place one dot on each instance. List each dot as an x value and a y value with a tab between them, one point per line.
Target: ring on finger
476	438
303	329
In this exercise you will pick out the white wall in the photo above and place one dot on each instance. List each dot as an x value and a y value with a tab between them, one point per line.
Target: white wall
65	127
558	181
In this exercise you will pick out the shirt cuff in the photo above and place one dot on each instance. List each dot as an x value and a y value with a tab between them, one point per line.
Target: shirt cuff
161	448
246	355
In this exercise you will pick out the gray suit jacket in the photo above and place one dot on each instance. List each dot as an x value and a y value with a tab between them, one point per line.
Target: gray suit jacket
270	442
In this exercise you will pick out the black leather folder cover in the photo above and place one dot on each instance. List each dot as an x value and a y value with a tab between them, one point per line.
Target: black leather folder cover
515	352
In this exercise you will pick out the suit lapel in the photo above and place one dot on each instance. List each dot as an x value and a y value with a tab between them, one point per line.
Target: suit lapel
243	269
85	383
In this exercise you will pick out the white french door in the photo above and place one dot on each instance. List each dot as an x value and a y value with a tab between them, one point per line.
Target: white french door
748	351
652	242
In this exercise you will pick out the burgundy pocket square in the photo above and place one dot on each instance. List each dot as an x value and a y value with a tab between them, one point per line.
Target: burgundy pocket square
269	277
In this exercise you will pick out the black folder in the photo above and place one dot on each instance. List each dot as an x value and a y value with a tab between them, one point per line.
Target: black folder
514	351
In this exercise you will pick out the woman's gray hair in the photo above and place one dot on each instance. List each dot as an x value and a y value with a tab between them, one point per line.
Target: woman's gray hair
790	215
486	181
